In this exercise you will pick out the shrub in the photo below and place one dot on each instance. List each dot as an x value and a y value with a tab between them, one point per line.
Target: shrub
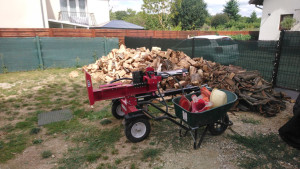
241	37
287	23
219	19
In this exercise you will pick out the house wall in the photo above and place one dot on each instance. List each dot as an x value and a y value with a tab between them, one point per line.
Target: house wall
23	14
53	9
272	10
100	8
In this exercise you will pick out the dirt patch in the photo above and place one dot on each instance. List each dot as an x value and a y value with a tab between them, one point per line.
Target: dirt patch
6	85
32	158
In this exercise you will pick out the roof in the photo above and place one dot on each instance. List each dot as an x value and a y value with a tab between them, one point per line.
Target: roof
67	23
211	37
256	2
118	24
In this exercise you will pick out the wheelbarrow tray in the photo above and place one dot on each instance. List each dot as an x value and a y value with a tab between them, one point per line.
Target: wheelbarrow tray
206	117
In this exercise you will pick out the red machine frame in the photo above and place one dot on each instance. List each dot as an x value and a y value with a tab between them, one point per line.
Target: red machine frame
126	92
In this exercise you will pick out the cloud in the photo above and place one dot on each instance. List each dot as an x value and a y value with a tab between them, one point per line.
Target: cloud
123	5
213	6
217	6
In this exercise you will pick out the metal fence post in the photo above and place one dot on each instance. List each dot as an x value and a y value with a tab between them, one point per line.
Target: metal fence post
193	47
105	46
277	58
38	45
150	45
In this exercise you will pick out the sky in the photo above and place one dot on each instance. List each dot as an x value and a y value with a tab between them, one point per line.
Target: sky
213	6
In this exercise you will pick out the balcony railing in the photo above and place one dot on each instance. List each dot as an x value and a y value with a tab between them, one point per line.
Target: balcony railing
83	18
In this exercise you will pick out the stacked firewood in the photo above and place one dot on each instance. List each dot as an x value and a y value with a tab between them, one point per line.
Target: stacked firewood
255	94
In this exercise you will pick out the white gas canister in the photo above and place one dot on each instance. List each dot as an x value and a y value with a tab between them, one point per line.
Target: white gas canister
218	98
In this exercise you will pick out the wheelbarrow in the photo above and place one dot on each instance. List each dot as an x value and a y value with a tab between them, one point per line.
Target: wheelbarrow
215	120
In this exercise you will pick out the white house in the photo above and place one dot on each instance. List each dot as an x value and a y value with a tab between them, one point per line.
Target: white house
53	13
274	11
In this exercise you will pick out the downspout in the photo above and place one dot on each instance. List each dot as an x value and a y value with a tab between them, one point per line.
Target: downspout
42	8
258	7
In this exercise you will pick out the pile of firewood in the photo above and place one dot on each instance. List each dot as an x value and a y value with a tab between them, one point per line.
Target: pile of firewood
255	94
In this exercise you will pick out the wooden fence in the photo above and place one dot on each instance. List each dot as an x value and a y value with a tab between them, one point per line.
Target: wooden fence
118	33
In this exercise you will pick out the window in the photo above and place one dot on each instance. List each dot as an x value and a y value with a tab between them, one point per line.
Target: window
73	6
202	42
63	5
225	41
74	11
282	17
82	8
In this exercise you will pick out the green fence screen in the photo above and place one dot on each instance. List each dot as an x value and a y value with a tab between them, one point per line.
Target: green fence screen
251	55
18	54
23	54
289	64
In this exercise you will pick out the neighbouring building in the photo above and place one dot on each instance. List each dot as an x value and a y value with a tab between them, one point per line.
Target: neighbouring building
274	12
118	24
53	13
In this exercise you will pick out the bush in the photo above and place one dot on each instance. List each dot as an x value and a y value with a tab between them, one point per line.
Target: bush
241	37
287	23
219	19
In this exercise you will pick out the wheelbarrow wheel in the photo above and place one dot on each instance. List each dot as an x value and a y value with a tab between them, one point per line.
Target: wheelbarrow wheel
116	109
220	126
137	130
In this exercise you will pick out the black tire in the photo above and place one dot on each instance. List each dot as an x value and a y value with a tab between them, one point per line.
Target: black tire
219	127
137	130
116	109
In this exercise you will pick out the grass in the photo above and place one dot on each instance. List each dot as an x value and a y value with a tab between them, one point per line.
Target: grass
107	166
15	144
105	121
63	126
95	143
118	161
268	151
36	91
105	112
92	157
91	143
132	166
46	154
35	130
250	120
162	129
7	128
150	153
37	141
24	125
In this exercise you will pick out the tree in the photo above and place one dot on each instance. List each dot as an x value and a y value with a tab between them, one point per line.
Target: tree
120	15
253	17
156	13
112	15
137	19
192	14
232	9
174	12
219	19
